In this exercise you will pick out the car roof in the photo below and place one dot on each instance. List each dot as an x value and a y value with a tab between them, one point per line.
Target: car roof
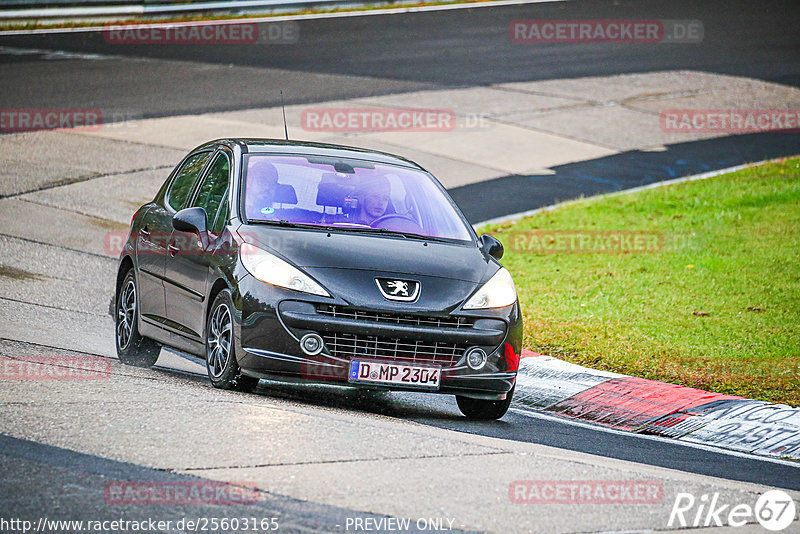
280	146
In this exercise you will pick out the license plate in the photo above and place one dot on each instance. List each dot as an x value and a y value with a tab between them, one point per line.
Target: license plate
392	373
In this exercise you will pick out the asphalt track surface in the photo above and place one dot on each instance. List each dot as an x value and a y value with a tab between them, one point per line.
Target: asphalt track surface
364	56
386	54
31	467
354	57
523	425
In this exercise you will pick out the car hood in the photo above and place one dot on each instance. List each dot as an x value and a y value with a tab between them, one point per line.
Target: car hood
386	255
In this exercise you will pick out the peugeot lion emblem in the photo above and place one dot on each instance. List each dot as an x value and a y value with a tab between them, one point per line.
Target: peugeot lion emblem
403	290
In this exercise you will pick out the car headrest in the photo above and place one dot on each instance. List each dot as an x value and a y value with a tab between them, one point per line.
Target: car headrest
285	194
333	190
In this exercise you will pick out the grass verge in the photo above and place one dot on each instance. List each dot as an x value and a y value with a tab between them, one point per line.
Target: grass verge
700	286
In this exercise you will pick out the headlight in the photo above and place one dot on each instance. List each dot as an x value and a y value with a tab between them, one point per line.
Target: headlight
499	291
273	270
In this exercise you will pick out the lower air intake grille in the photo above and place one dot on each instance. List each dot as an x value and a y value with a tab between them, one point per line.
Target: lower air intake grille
353	346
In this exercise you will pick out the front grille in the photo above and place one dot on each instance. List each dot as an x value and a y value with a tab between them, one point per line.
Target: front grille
350	346
396	318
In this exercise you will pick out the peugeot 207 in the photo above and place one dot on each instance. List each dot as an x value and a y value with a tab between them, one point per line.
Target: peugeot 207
290	260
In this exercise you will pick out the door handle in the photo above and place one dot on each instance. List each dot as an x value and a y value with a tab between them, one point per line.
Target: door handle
145	232
173	249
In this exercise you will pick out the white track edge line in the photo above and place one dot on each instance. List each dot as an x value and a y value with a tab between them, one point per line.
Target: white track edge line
282	18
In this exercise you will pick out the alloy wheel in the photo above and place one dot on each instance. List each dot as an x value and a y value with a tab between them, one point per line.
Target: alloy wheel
219	340
126	314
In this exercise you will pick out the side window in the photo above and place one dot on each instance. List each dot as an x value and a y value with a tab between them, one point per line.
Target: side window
213	188
222	217
184	180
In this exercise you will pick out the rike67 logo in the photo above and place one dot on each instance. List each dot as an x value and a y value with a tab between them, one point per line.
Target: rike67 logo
774	510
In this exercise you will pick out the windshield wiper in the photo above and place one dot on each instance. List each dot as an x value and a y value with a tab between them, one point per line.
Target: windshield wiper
425	237
364	229
386	231
284	222
361	229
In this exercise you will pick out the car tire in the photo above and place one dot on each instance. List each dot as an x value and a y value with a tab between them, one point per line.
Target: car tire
132	348
481	409
223	369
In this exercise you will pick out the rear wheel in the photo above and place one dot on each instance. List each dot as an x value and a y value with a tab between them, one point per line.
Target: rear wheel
223	369
484	409
132	348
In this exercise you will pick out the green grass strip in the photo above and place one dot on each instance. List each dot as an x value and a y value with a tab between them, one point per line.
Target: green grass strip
696	283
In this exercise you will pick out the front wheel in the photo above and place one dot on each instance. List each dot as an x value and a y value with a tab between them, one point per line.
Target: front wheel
223	369
132	348
484	409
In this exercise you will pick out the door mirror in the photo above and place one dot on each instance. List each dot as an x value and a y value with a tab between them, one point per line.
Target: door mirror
492	246
191	220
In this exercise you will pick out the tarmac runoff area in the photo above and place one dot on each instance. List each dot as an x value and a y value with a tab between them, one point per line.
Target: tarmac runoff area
59	206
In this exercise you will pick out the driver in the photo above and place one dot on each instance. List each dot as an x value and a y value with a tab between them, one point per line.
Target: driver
373	198
262	177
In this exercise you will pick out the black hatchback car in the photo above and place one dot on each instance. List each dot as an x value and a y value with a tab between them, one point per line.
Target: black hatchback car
285	260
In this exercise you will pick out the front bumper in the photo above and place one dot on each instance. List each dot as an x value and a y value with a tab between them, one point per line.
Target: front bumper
271	321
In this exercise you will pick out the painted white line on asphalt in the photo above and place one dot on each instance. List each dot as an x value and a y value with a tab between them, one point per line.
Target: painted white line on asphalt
51	54
691	178
281	18
554	418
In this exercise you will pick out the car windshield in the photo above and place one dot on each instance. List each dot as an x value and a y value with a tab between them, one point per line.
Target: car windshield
348	194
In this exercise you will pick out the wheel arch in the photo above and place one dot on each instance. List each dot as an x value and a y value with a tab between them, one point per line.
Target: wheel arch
218	285
125	265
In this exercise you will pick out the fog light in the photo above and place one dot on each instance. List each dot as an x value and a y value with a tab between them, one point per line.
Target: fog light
476	358
311	344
